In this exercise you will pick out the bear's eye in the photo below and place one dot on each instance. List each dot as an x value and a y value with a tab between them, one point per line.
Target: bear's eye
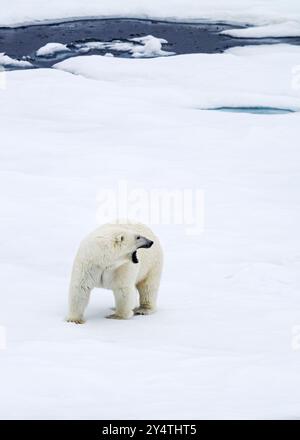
122	237
138	237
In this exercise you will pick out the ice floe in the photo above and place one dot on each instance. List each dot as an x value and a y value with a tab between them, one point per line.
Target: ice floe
284	29
51	49
7	61
142	47
18	12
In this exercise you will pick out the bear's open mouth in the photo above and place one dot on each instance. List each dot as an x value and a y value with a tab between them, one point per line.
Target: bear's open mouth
146	245
134	257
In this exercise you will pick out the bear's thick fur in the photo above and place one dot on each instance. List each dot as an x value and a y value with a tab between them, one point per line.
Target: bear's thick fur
120	257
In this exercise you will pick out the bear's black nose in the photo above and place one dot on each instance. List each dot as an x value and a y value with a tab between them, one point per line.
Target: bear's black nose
147	243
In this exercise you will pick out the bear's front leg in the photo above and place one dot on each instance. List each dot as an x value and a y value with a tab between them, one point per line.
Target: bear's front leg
125	301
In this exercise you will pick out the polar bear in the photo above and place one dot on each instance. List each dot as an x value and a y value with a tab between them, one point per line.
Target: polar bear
120	257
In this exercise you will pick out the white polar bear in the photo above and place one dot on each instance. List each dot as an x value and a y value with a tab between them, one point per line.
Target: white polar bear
120	257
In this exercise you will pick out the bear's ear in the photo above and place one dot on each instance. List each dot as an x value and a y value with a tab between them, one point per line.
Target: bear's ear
119	238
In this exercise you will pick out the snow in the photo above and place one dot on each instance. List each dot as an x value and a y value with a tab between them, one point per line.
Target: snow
258	12
235	78
7	61
51	49
285	29
221	344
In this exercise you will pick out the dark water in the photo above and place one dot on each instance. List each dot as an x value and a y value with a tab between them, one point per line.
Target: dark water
256	110
183	38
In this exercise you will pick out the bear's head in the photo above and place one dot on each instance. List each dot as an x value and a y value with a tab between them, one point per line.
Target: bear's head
127	243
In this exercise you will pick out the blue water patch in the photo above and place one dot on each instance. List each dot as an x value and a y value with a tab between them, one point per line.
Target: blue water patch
256	110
